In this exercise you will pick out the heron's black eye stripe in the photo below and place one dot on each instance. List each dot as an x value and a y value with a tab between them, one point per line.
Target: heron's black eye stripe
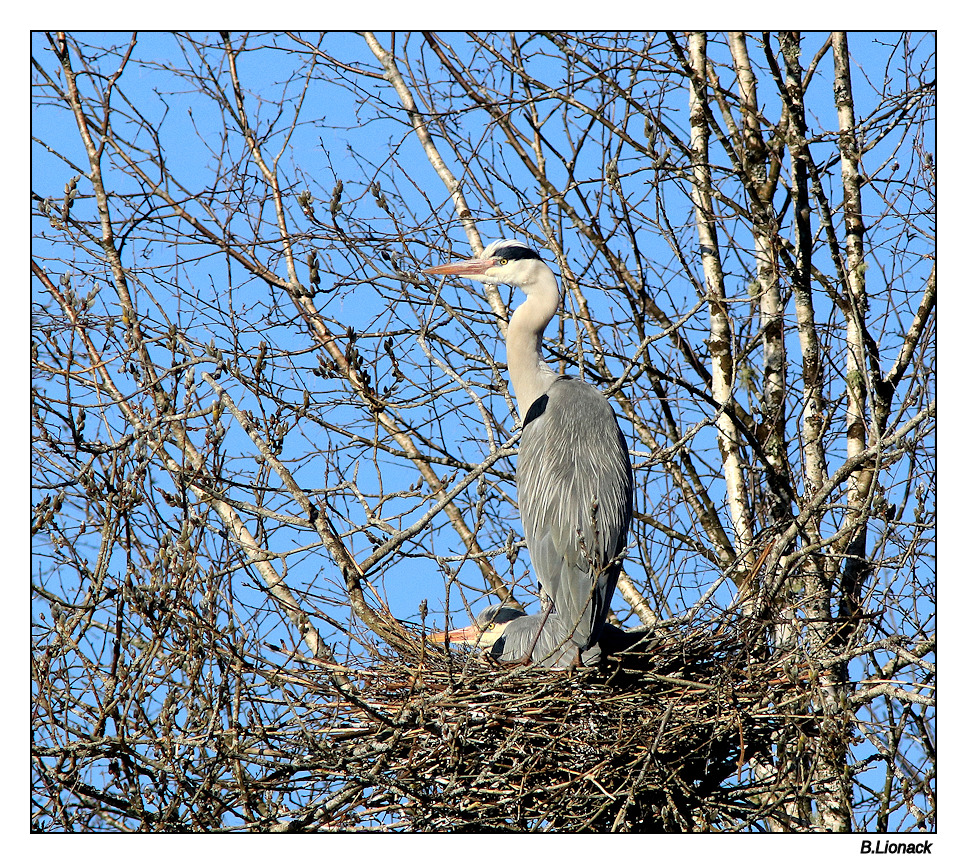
516	253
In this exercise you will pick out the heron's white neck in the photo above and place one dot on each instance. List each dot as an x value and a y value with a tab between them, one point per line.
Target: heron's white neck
529	375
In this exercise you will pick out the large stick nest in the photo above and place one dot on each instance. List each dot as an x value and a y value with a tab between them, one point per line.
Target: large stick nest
655	739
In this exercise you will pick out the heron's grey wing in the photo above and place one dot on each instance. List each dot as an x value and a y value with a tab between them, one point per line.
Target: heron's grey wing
574	490
541	639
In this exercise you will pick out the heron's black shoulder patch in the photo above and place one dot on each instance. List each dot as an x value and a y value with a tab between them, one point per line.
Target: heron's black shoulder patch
537	408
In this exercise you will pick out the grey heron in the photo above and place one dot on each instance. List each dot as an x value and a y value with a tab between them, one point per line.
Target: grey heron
510	635
574	482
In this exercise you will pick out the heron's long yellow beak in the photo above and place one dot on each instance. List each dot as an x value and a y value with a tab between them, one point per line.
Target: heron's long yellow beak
469	267
464	634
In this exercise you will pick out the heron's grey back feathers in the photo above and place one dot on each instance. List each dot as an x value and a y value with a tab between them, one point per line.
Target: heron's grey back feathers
543	640
574	488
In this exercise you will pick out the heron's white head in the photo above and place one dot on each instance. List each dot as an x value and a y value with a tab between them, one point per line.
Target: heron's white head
488	627
507	262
